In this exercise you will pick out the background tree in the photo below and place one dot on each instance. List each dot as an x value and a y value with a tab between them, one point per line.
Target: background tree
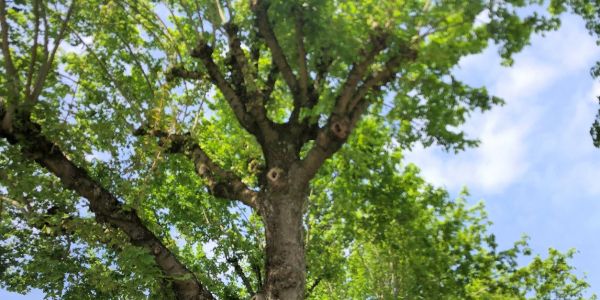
407	240
183	148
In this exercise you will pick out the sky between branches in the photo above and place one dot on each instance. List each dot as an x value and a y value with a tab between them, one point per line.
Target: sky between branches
536	167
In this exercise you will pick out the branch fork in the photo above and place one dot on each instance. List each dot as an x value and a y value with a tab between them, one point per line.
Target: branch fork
221	183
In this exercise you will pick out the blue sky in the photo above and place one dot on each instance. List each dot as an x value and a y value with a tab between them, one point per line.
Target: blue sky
536	168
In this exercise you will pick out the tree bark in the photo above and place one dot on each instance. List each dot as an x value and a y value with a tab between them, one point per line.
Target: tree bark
282	211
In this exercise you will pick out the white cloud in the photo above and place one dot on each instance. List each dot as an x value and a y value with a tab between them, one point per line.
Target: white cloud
527	78
483	17
79	49
594	92
508	135
580	159
572	48
495	164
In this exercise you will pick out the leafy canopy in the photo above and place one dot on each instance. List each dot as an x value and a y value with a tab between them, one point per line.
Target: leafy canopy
92	73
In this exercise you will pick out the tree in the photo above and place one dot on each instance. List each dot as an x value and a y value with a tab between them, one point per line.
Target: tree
135	133
407	240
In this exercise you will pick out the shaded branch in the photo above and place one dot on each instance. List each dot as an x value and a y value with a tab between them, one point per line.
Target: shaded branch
36	31
345	116
303	68
203	51
45	69
382	77
257	272
234	261
358	71
260	7
255	55
306	92
240	63
221	183
312	287
323	65
106	207
13	82
250	112
244	78
46	32
180	72
270	83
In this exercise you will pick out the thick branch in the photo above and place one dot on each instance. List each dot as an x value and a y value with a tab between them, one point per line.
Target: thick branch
221	183
306	93
303	68
251	114
203	51
247	89
180	72
106	207
382	77
260	8
240	62
345	117
43	72
36	31
11	73
358	71
326	144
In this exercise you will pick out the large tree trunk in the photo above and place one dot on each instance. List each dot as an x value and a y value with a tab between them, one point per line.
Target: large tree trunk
285	262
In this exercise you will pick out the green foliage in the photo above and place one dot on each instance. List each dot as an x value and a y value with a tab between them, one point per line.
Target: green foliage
390	235
374	228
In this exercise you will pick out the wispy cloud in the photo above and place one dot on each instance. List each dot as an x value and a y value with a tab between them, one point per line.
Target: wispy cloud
536	166
509	134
